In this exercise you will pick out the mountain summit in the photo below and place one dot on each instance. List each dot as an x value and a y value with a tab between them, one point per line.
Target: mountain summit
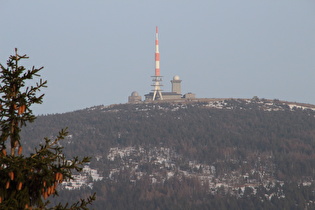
216	153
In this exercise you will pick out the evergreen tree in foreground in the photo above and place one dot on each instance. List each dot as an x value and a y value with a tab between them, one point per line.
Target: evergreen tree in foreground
27	181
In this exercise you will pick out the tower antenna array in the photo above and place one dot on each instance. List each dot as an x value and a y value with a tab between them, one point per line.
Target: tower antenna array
157	78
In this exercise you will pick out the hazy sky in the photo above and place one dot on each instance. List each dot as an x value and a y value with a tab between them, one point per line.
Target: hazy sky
97	52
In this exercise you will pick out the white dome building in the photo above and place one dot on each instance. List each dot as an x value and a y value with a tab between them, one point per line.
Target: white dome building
176	85
176	77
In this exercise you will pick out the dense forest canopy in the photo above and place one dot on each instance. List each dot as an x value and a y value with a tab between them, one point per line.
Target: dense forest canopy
245	137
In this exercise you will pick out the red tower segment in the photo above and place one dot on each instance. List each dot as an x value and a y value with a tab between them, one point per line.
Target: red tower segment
157	53
157	79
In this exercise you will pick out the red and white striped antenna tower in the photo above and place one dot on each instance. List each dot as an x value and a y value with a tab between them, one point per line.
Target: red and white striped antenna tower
157	78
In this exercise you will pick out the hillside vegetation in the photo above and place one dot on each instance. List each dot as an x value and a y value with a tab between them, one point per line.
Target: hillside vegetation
220	154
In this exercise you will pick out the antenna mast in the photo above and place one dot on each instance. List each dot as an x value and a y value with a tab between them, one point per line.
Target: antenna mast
157	78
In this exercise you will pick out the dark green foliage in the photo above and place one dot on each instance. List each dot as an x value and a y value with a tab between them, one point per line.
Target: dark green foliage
27	181
200	133
239	137
16	100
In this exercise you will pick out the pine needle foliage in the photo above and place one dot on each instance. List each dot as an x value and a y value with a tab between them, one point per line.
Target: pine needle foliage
26	182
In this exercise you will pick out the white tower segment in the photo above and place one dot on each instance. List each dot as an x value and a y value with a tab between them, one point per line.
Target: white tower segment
157	78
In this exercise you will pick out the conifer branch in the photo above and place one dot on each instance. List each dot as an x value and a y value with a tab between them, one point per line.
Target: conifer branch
26	182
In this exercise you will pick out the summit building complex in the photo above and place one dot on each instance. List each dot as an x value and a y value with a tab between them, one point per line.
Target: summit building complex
157	93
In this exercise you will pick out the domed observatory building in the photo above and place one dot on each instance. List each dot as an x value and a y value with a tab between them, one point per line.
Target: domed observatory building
134	98
176	85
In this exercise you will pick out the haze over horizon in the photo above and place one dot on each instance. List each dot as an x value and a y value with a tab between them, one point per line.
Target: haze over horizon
98	52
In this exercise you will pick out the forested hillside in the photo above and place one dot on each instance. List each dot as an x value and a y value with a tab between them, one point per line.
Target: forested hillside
220	154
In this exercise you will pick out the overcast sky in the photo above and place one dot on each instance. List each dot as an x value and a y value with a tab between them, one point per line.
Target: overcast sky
98	52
